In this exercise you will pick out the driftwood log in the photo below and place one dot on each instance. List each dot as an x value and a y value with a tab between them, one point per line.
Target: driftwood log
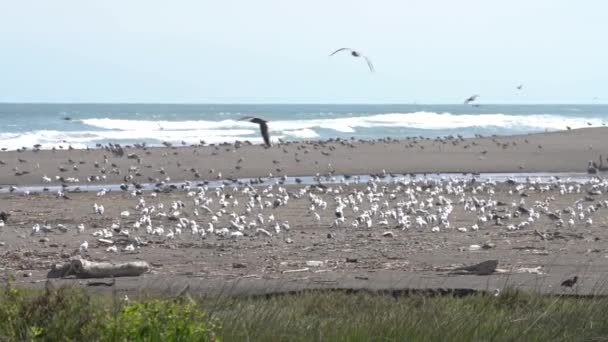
81	268
483	268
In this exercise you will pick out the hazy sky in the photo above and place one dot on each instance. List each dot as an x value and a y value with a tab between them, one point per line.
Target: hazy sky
424	51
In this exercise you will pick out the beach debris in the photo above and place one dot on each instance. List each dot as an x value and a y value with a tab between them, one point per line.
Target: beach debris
239	265
81	268
102	283
483	268
314	263
533	270
488	245
262	231
388	234
474	247
306	269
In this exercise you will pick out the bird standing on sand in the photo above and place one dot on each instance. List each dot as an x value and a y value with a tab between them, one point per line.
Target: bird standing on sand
471	99
570	282
356	54
263	128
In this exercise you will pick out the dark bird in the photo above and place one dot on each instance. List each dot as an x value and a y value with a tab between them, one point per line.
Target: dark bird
356	54
570	282
263	128
4	216
471	99
519	87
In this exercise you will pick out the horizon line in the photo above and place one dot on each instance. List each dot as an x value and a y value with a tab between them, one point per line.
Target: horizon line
302	103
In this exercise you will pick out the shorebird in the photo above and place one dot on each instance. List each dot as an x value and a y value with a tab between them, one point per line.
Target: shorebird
471	99
355	54
570	282
263	128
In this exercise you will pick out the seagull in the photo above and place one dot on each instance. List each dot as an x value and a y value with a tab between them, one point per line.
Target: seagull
356	54
263	128
84	247
520	87
471	99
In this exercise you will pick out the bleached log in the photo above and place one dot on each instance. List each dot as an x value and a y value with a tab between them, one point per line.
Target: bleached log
81	268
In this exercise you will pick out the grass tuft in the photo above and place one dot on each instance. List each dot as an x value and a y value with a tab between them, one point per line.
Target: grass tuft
73	314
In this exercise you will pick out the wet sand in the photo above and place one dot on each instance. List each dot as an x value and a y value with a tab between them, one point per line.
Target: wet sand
567	151
350	257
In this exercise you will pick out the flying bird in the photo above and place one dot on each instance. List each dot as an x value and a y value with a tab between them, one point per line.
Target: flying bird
471	99
263	128
355	54
519	87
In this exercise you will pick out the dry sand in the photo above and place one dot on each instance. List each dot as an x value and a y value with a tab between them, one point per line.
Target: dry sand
352	257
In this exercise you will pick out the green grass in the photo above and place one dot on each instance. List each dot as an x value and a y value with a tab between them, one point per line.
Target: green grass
71	314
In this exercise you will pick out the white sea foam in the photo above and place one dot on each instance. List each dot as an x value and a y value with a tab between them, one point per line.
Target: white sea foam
420	120
305	133
103	130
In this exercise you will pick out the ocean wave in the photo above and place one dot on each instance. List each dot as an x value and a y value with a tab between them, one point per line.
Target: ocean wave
81	139
154	132
418	120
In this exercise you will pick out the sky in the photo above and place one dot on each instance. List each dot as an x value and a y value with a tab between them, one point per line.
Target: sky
276	51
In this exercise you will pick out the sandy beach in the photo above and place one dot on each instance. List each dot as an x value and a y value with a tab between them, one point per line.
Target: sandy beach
309	252
566	151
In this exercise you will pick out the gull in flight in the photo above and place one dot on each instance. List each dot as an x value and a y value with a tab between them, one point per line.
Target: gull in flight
356	54
471	99
263	128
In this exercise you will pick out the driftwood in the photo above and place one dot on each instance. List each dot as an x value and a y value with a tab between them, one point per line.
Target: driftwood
484	268
81	268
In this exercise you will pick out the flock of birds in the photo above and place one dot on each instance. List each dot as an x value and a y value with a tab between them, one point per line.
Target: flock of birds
343	203
354	53
244	210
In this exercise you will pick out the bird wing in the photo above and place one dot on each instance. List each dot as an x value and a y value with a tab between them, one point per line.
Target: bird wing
341	49
265	135
369	64
470	99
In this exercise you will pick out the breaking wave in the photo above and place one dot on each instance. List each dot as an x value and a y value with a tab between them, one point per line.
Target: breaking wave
102	130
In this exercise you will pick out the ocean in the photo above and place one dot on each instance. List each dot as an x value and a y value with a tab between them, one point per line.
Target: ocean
24	125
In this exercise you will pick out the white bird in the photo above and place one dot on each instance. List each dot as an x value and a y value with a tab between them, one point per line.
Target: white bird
112	249
80	228
84	247
99	209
